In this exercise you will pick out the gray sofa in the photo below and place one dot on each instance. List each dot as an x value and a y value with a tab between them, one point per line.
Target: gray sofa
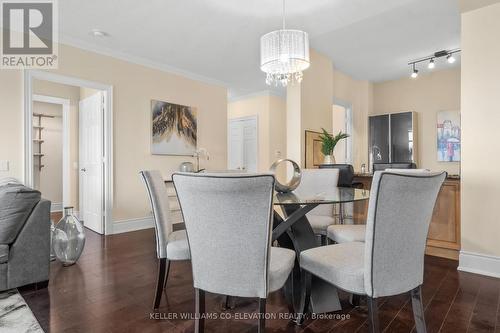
24	236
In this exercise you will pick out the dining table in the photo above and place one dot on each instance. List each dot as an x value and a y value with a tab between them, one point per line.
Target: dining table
291	229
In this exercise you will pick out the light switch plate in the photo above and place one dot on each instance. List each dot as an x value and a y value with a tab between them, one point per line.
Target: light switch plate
4	165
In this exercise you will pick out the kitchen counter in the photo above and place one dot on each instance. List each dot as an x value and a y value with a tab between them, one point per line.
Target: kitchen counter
369	175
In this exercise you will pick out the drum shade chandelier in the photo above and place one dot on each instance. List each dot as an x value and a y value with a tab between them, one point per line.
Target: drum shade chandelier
284	54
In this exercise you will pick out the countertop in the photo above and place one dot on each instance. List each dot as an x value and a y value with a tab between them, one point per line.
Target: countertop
369	175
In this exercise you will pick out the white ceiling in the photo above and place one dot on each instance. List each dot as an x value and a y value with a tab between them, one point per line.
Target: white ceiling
218	40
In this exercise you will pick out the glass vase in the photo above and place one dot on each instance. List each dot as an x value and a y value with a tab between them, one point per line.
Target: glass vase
68	238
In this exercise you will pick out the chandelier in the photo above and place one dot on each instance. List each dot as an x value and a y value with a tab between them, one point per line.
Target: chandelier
284	54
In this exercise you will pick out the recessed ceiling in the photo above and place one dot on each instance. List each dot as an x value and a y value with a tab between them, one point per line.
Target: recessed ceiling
218	40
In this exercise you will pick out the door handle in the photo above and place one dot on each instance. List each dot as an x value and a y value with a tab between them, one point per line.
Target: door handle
83	169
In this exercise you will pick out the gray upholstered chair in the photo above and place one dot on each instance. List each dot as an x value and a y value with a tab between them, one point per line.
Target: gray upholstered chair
24	236
170	245
228	222
314	180
356	232
391	261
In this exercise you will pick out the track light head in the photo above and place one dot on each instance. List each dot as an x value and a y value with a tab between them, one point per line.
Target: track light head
414	73
450	58
431	64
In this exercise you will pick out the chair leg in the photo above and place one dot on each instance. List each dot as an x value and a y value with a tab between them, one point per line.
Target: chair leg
166	275
199	315
162	266
341	213
262	315
229	303
373	315
324	240
418	309
355	300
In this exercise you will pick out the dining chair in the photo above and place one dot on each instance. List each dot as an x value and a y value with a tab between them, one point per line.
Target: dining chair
170	245
356	232
228	221
391	260
316	181
346	179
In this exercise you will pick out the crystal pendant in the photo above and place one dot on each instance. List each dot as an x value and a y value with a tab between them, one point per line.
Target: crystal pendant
68	238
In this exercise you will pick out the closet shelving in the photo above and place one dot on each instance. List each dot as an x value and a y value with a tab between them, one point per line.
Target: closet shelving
38	138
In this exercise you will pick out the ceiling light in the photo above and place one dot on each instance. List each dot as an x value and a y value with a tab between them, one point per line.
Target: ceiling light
414	74
431	59
284	54
98	33
431	64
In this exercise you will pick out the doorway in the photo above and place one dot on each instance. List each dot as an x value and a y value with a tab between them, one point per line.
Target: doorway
68	151
342	121
243	144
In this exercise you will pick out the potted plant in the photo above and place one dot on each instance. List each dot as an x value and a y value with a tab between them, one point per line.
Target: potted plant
328	145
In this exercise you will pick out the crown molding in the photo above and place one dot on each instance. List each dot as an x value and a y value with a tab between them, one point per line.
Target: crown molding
77	43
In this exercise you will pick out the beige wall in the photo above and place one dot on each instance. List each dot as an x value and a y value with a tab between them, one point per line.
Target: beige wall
134	87
87	92
313	100
426	95
480	133
309	105
277	128
11	123
49	179
316	97
73	94
359	94
270	111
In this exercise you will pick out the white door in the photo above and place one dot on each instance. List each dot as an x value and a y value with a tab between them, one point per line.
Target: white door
242	143
91	162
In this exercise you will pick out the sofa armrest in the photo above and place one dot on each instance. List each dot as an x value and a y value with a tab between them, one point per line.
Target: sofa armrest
29	256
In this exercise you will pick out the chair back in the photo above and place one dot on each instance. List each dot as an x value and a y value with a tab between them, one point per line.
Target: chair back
399	213
316	181
346	173
384	166
158	197
228	224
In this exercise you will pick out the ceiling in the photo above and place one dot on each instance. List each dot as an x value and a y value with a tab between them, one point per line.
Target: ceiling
218	40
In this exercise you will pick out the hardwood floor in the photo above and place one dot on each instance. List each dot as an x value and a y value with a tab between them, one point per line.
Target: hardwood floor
111	289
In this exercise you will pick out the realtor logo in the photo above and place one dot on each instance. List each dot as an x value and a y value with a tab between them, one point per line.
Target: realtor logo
29	34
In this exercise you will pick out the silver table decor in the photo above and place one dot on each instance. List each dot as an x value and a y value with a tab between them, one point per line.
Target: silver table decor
293	183
68	238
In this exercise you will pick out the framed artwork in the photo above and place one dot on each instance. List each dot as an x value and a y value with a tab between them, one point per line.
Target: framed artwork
314	156
448	136
173	129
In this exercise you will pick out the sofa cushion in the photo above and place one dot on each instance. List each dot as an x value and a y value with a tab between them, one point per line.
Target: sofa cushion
16	204
4	253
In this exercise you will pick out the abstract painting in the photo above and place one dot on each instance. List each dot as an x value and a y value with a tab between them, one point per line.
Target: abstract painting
448	136
174	129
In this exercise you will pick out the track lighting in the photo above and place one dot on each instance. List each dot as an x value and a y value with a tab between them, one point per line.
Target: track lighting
431	64
414	74
432	60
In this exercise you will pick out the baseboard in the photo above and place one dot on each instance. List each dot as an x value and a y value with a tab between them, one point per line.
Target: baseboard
56	207
479	264
132	224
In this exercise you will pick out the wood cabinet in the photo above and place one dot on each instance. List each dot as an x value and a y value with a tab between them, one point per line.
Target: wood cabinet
443	239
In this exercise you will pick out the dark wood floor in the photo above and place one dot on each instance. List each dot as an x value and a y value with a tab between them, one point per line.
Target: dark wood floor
111	289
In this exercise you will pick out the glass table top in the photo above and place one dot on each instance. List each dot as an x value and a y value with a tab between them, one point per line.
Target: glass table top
335	195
